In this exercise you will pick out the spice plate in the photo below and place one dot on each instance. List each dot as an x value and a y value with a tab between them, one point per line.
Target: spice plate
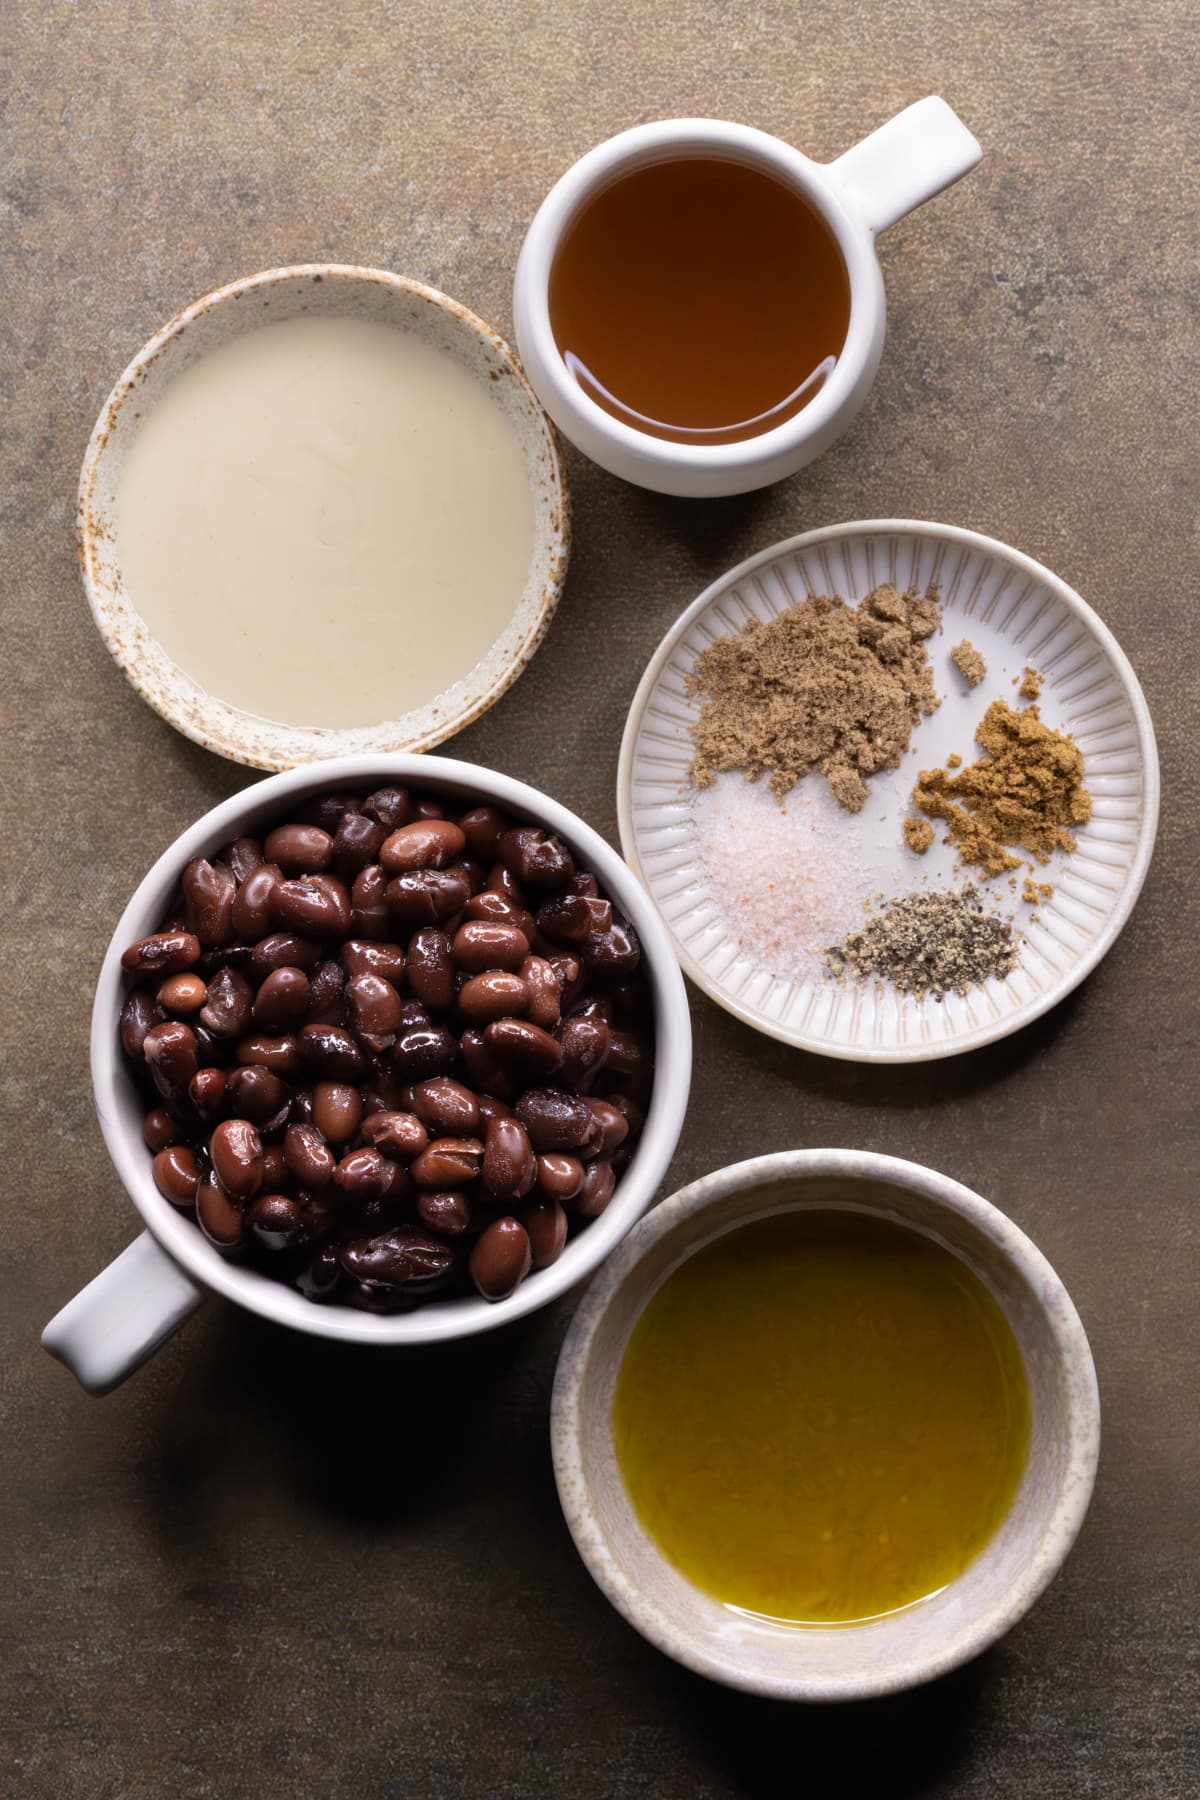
755	890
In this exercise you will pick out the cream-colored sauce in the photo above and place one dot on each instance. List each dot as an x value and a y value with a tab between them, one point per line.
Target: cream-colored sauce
325	521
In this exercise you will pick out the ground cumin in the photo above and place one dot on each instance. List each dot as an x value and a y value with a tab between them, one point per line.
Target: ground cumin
824	686
969	662
918	835
1025	791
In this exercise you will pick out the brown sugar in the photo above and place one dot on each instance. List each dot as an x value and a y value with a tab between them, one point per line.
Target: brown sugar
918	835
969	663
1031	685
1033	891
1025	791
824	686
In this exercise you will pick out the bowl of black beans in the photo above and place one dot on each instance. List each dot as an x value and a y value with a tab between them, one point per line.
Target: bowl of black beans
387	1049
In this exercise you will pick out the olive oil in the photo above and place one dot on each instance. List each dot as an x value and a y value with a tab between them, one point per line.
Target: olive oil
822	1416
700	299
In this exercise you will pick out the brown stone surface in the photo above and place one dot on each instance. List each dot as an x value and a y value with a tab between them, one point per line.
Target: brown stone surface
276	1567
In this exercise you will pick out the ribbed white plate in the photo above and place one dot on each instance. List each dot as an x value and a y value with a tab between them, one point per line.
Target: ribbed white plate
1016	613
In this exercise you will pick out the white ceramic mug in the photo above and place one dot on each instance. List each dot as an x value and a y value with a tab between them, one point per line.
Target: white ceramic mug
122	1317
908	160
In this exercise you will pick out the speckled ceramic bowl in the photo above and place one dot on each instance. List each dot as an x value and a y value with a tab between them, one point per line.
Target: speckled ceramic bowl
261	299
847	1662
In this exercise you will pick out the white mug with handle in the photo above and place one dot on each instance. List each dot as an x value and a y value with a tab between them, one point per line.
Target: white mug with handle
910	159
158	1281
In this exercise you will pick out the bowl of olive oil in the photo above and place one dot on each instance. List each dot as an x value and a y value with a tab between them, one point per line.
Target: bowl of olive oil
825	1425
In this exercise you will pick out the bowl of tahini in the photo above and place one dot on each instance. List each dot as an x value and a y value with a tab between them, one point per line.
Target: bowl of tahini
321	513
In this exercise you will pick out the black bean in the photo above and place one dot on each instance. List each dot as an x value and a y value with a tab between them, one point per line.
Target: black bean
256	1093
375	1011
429	968
447	1107
369	915
545	1224
327	994
404	1257
400	1135
283	949
500	1258
537	858
176	1174
523	1048
332	1053
428	896
242	857
481	827
251	913
282	1000
227	1009
425	844
162	953
390	806
299	849
424	1051
308	1156
556	1121
208	895
173	1056
237	1158
138	1015
508	1165
356	843
275	1222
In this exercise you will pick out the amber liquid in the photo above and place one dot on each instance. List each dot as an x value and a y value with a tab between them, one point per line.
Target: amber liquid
700	300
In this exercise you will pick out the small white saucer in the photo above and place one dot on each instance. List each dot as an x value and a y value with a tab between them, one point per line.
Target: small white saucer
1017	614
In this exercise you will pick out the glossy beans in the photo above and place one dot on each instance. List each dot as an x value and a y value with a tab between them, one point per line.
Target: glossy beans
508	1166
307	1156
176	1175
237	1153
395	1049
500	1258
546	1227
182	994
163	953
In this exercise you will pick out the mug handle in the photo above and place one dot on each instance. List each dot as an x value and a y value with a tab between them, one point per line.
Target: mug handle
118	1320
907	161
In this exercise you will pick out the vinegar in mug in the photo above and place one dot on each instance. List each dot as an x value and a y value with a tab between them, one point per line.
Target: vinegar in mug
700	300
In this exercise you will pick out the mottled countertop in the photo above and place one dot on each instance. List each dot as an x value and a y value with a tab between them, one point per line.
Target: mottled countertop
270	1566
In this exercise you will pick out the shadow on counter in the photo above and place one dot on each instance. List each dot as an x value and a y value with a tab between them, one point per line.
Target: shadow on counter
944	1081
900	1746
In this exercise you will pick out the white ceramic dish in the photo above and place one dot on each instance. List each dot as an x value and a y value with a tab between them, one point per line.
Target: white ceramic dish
332	288
899	166
846	1662
142	1297
1016	613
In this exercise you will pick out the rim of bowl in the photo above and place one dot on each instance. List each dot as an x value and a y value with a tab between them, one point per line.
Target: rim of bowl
640	147
639	1183
1070	979
586	1523
216	724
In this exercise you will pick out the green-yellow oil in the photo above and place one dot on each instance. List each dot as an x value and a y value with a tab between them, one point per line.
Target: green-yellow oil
822	1416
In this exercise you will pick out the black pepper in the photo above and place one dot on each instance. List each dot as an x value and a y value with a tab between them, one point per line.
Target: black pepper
938	943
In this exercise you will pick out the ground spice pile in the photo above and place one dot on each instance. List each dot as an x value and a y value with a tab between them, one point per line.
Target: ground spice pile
824	686
969	663
1026	791
938	943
